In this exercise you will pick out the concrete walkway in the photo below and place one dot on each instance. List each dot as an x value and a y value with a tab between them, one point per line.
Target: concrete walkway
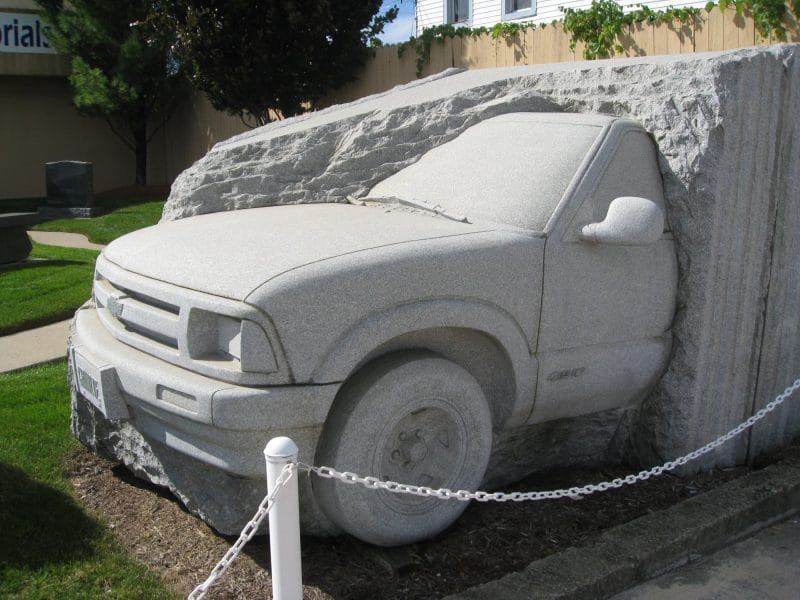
714	525
765	566
34	346
59	238
46	343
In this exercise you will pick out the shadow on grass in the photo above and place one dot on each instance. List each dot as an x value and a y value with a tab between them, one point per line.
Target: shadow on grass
40	525
108	205
35	263
13	205
55	317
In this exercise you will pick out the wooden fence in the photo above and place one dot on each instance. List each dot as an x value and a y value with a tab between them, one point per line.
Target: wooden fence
706	32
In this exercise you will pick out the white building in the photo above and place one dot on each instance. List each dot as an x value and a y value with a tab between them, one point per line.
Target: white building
486	13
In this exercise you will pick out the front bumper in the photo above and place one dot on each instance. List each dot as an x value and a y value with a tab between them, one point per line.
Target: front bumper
218	423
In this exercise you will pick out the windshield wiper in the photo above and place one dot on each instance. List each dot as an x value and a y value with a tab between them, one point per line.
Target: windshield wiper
416	204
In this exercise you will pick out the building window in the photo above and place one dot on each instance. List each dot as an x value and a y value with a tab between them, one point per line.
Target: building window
518	9
458	12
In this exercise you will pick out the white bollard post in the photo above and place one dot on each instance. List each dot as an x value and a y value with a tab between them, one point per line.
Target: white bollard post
284	523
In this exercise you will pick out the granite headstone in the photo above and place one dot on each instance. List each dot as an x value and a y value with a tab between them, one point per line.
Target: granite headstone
70	190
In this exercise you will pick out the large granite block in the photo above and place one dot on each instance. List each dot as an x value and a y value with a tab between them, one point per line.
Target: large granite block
726	126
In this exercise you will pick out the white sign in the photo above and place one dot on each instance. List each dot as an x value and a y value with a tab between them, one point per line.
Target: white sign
23	33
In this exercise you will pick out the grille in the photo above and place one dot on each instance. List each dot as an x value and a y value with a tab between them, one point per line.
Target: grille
134	316
165	321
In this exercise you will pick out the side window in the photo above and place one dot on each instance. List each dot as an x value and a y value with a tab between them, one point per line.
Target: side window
518	9
632	171
458	12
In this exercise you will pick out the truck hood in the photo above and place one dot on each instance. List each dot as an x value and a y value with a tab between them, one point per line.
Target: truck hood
230	254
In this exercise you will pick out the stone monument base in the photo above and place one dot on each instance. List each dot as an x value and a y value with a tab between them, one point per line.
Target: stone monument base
14	242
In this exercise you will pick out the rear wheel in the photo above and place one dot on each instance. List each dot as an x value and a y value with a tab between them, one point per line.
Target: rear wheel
412	418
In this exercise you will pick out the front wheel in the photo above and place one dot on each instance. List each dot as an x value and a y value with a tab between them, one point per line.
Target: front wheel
413	418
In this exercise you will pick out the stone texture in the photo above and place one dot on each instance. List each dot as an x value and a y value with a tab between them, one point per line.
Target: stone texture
726	126
336	270
14	243
224	501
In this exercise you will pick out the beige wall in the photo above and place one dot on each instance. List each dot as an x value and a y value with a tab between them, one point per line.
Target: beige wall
39	124
36	65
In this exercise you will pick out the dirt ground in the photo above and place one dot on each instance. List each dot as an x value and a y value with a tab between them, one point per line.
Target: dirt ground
488	541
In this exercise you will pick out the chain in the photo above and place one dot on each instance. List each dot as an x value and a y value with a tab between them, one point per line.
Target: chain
573	492
417	490
247	533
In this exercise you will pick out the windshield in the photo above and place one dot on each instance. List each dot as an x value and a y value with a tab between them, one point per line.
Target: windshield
511	169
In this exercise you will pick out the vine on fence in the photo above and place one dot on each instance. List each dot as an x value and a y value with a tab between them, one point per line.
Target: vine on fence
600	26
422	44
767	14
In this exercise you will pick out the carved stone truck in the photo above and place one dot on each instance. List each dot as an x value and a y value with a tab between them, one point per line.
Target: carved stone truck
520	273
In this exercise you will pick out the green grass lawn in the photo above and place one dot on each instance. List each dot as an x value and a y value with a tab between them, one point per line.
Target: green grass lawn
56	281
50	547
45	289
123	218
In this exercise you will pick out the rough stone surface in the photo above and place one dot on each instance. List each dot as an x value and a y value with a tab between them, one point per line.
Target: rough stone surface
224	501
14	242
726	126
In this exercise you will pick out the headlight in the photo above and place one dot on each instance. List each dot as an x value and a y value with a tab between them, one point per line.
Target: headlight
215	337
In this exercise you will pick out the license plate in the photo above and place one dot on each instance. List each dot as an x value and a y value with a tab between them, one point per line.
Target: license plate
89	387
98	384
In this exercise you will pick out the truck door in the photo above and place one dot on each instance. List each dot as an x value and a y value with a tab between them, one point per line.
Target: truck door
606	309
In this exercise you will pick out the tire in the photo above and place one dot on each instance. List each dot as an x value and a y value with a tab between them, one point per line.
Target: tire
413	418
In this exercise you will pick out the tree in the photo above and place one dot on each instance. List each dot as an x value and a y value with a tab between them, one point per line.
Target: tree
122	68
252	57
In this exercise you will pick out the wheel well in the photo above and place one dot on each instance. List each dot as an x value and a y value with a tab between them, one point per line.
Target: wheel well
481	355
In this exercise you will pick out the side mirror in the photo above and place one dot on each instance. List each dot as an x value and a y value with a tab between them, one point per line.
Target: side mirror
630	221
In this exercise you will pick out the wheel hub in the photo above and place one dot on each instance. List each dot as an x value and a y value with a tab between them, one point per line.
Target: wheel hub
411	448
418	450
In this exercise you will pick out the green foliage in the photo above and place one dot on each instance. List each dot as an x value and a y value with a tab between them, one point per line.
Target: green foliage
510	29
600	25
255	58
50	546
597	27
122	69
767	14
110	226
58	280
439	33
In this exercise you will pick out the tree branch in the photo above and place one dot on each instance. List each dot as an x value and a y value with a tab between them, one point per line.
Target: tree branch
131	146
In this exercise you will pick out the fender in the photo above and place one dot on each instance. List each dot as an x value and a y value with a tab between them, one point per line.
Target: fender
358	343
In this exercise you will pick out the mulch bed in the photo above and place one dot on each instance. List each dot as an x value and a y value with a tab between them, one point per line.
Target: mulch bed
487	542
